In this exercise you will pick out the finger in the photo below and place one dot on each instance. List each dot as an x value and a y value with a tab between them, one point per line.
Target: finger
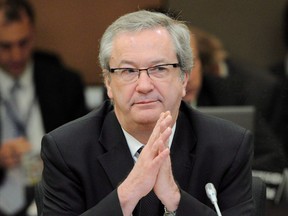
163	123
165	136
167	121
161	143
156	131
161	157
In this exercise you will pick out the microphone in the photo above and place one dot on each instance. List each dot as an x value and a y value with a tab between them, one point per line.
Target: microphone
212	195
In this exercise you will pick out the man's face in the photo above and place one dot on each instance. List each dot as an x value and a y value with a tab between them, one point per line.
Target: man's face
140	103
16	43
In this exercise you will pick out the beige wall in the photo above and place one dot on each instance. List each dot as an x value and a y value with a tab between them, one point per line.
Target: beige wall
72	28
250	29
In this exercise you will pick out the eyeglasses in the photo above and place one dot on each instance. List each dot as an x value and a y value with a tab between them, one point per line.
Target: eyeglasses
157	72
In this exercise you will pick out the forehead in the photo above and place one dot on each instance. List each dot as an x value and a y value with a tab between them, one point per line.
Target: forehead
15	30
143	47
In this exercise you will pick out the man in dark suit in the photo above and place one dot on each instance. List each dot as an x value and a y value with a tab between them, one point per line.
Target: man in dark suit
254	88
239	87
49	95
97	165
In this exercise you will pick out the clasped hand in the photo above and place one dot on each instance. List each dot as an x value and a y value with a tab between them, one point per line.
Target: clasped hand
11	152
152	171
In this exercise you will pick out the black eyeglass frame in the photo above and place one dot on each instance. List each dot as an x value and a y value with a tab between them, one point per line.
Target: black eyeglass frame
175	65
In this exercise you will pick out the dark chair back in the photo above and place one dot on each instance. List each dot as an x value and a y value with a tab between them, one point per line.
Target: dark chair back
259	196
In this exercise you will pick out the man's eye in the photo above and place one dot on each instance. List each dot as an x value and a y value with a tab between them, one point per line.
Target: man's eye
161	68
129	70
23	43
158	69
5	46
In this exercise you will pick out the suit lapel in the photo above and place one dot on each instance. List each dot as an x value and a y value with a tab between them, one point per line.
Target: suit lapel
117	161
182	150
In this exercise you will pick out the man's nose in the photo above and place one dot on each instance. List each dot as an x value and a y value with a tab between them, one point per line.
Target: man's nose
144	82
144	71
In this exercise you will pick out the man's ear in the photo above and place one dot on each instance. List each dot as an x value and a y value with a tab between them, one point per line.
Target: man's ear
107	82
185	79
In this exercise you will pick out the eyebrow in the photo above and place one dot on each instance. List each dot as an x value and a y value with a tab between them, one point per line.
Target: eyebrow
18	42
155	62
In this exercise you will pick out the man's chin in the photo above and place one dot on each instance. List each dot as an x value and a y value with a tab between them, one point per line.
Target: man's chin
147	116
16	72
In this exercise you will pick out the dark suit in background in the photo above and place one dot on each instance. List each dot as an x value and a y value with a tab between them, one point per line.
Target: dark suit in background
242	87
89	157
59	89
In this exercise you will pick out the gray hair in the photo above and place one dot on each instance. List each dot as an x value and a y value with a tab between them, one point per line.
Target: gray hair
142	20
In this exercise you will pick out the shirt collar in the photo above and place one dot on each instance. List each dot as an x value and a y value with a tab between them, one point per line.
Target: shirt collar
134	144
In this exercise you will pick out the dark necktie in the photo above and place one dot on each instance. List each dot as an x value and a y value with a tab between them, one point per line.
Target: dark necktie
148	205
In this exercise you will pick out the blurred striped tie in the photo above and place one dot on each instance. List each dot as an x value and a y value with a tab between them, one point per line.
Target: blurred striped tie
14	110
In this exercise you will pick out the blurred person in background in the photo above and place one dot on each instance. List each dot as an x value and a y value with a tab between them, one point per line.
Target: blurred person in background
37	94
238	83
217	81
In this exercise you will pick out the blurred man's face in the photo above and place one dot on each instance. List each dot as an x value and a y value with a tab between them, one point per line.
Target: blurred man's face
16	43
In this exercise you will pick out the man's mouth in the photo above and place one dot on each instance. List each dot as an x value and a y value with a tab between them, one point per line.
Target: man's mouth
145	102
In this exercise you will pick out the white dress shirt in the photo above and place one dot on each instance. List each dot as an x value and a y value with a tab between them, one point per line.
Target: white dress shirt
12	189
27	100
134	144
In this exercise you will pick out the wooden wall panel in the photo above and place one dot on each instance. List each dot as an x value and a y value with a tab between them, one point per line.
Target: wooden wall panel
73	28
251	30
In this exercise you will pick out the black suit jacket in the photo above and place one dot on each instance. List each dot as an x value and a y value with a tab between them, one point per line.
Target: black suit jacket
243	86
59	89
85	161
60	92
